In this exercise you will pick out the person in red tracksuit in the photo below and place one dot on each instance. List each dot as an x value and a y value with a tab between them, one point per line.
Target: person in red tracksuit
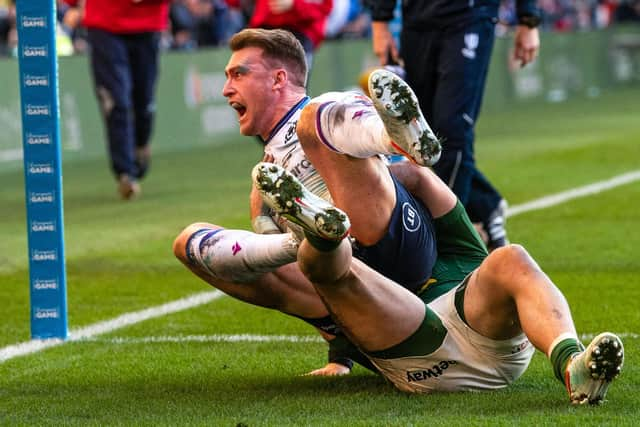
124	37
306	19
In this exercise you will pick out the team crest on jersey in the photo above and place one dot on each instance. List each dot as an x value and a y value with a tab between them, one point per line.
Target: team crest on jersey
410	217
291	133
471	41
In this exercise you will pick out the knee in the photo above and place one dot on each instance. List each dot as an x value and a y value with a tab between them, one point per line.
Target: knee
509	264
180	242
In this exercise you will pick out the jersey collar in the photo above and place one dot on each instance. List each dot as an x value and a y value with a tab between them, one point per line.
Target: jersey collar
304	101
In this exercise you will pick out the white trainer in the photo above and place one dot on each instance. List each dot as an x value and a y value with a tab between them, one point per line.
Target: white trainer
399	110
283	193
590	372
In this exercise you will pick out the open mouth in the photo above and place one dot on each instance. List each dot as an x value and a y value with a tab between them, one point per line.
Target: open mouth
240	109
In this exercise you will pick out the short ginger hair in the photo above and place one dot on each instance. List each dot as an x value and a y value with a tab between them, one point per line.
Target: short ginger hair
279	47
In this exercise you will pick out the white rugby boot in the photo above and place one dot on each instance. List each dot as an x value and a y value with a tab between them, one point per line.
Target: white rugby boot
283	193
590	372
496	227
399	110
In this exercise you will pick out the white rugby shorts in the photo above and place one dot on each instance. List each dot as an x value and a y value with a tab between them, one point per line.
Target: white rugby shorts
465	360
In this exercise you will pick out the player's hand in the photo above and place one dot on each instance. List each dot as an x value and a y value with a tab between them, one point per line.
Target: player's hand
384	47
330	370
280	6
526	44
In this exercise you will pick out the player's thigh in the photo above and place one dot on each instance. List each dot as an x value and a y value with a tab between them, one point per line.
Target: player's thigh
375	312
489	306
363	188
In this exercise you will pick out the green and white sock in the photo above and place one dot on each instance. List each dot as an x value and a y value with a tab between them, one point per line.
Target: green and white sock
560	352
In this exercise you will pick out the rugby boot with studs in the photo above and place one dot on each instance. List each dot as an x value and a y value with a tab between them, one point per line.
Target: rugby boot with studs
286	195
399	110
589	373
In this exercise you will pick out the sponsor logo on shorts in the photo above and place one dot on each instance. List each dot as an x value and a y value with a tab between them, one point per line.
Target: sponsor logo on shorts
33	22
520	347
47	197
410	217
45	284
434	372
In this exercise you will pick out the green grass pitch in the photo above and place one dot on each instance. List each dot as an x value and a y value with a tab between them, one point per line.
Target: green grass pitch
119	260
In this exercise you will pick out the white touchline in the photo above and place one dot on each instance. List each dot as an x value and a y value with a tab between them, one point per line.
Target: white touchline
218	338
100	328
565	196
195	300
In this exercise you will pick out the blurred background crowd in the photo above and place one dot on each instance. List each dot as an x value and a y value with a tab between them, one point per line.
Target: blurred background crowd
206	23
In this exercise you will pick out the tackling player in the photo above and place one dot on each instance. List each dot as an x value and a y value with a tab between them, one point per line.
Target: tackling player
475	329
